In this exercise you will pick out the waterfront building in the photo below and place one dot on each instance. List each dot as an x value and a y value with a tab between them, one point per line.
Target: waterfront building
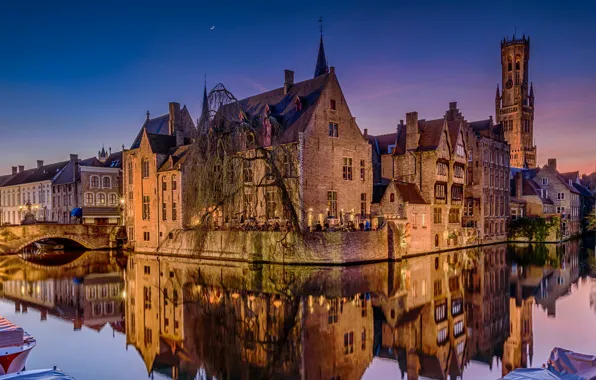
152	177
324	159
514	107
586	197
29	190
432	156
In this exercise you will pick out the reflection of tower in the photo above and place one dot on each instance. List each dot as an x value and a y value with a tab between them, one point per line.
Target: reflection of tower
520	344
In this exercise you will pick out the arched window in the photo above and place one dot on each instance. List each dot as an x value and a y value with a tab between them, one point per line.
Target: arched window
113	199
145	168
517	62
509	64
436	245
436	258
89	199
106	182
94	182
101	199
392	197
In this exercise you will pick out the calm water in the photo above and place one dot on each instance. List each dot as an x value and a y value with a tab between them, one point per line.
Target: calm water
478	313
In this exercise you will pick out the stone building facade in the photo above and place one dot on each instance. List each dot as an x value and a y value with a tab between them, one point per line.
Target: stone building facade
432	155
152	178
514	107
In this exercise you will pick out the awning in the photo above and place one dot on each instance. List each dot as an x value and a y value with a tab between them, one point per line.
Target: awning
77	212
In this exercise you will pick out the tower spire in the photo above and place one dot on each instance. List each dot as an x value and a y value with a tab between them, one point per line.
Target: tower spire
203	123
531	89
498	95
321	68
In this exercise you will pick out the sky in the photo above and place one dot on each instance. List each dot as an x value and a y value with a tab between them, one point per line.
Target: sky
78	75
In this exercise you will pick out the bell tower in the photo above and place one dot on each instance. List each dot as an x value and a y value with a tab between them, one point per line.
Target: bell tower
515	105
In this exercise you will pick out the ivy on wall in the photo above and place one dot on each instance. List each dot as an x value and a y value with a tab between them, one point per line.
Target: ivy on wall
534	229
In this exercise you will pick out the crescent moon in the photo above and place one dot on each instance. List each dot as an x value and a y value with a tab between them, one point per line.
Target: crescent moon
213	27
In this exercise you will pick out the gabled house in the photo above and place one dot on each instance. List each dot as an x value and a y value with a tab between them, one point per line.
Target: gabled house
586	197
152	178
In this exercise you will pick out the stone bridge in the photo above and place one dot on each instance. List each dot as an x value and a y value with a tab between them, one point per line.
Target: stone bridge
92	237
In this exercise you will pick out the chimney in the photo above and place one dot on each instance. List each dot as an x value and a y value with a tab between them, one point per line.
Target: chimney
412	132
110	150
288	80
452	106
74	157
39	163
519	184
175	123
332	69
366	132
552	163
14	170
21	168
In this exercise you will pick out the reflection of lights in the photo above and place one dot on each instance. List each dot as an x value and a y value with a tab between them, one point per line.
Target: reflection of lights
312	310
321	300
124	294
251	297
277	303
235	295
328	307
38	289
310	301
22	289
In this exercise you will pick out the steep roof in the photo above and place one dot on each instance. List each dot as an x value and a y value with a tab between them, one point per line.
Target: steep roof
282	107
161	144
454	129
114	160
583	191
409	193
378	192
430	134
68	175
158	125
530	187
573	176
4	178
321	67
177	155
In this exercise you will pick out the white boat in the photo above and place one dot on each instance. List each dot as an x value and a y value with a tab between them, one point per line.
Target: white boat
15	345
49	245
38	374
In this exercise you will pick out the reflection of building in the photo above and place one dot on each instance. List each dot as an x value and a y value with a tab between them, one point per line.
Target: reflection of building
179	326
519	346
93	300
487	304
425	329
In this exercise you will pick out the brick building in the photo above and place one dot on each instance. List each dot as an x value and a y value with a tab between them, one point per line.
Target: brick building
586	197
515	106
527	197
432	155
152	178
326	158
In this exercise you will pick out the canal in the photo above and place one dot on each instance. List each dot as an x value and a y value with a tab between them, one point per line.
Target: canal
478	313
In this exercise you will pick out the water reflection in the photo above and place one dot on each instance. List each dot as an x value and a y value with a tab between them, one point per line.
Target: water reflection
436	316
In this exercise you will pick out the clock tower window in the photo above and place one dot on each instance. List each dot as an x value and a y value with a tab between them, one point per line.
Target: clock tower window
509	64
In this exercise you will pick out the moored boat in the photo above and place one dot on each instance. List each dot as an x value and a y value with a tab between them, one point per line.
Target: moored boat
38	374
49	245
15	345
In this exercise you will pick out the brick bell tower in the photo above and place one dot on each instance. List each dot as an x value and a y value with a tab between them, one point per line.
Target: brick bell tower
515	106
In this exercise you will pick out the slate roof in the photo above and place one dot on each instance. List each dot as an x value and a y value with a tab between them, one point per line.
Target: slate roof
381	142
454	129
378	192
114	160
177	155
282	108
409	193
67	174
430	134
45	173
583	191
480	125
570	176
161	144
158	126
4	178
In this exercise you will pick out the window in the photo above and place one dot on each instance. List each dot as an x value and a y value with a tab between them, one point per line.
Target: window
333	130
113	199
88	199
442	335
460	347
517	62
442	169
146	236
458	171
174	184
459	150
106	182
560	196
97	309
164	184
94	182
101	199
174	212
458	328
332	104
130	173
145	168
147	297
457	194
438	215
440	311
146	211
423	222
362	172
363	204
332	204
148	336
456	306
392	197
544	181
440	191
348	343
560	210
164	213
288	165
131	234
271	202
364	339
347	169
454	215
469	207
509	64
333	306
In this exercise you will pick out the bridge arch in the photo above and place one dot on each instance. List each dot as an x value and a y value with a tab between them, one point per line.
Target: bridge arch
26	242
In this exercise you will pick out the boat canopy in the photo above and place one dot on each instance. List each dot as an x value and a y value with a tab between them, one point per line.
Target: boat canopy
562	365
10	334
38	374
77	212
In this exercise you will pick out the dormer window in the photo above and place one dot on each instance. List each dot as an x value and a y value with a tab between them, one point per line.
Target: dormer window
570	183
298	104
391	148
332	104
544	181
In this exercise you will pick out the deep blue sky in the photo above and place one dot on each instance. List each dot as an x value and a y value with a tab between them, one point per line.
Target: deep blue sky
74	76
